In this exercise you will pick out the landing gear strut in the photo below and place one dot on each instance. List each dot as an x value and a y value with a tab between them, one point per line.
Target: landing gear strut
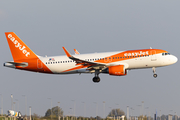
96	79
154	71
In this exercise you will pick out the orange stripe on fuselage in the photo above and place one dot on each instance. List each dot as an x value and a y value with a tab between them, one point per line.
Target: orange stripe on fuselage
76	68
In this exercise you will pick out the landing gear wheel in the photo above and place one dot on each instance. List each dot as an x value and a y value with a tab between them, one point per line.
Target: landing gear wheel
96	79
154	71
155	75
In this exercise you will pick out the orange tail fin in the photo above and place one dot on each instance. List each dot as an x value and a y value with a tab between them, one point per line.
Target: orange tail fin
19	49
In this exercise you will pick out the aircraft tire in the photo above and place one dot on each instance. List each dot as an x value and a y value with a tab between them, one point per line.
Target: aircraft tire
155	75
96	79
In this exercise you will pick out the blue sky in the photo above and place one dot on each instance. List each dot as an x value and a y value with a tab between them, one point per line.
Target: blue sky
91	26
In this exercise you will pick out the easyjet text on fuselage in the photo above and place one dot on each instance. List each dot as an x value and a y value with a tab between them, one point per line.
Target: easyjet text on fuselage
137	53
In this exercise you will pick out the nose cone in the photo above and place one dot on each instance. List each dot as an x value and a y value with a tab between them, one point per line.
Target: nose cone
174	59
169	60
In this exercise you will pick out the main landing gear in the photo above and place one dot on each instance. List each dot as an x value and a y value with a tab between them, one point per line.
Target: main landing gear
96	79
154	71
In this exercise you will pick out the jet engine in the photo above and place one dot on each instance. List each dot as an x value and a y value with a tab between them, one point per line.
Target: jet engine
118	70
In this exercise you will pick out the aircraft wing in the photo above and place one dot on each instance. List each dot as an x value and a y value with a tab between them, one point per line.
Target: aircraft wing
90	65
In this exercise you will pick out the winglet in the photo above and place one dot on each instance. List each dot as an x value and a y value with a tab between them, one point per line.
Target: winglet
76	52
67	53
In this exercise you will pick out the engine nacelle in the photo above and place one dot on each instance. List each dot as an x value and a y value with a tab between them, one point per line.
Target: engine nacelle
118	70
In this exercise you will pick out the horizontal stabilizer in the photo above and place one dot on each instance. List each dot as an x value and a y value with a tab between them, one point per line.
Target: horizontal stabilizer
14	64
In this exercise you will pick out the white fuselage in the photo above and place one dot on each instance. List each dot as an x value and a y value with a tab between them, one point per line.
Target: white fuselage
60	64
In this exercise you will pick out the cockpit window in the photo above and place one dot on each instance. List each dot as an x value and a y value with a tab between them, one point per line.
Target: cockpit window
165	54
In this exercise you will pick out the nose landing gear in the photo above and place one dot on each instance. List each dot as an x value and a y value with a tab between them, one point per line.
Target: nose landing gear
154	71
155	75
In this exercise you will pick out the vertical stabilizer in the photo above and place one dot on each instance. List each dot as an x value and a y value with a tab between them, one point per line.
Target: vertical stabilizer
19	49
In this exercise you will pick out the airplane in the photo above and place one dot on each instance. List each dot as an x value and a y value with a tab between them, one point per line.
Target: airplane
112	63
